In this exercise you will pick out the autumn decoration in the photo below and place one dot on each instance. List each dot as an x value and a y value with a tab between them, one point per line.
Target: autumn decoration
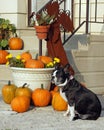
58	103
8	92
23	91
15	43
3	54
41	97
20	104
26	55
25	60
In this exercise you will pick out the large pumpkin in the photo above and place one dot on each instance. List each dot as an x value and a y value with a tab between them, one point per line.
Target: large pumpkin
58	103
41	97
32	63
3	54
8	92
15	43
26	56
20	104
45	59
23	91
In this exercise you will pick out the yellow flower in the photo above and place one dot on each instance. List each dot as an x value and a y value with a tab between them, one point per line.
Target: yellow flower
50	64
57	60
18	57
9	56
23	60
7	63
54	62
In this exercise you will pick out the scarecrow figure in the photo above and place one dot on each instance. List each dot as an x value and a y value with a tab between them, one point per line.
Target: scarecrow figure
54	42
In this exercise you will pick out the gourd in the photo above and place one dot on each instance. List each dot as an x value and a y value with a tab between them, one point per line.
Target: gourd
55	90
23	91
15	43
41	97
45	59
20	104
32	63
8	92
3	54
58	103
26	56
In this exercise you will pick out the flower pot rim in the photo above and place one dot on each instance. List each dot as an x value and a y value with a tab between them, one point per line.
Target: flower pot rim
32	69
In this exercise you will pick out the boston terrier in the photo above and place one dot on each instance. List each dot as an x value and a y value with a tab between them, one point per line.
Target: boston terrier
82	103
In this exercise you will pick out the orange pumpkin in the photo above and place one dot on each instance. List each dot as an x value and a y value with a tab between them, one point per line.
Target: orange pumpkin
32	63
23	91
45	59
58	103
26	56
3	54
8	92
41	97
56	89
15	43
52	93
20	104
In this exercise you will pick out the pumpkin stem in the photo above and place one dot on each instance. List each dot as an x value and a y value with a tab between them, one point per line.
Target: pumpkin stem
42	86
16	34
24	85
9	82
36	57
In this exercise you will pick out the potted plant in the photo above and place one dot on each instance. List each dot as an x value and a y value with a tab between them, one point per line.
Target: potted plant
6	31
42	22
30	71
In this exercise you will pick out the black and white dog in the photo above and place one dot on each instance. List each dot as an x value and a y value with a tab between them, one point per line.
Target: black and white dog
82	103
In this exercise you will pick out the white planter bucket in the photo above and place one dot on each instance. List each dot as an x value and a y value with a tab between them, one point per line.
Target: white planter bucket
33	77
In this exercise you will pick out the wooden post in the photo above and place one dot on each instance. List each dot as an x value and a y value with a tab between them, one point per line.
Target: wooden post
40	47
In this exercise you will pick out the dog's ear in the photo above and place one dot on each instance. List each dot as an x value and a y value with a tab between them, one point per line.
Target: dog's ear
66	68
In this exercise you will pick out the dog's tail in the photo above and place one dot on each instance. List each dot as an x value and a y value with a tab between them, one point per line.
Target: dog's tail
92	116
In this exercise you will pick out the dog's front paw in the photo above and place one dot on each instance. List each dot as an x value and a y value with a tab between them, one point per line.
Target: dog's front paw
66	114
71	118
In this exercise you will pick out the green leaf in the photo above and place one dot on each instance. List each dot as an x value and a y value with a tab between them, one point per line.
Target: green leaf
4	43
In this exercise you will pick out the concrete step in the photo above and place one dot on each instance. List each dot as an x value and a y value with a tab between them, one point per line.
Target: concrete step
77	42
88	65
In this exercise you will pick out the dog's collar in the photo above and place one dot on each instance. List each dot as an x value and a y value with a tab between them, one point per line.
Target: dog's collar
66	81
63	84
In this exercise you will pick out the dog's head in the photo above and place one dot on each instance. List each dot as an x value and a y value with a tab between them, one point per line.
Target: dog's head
60	75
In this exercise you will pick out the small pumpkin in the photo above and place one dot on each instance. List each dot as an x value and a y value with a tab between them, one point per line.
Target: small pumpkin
32	63
26	56
41	97
3	54
56	89
15	43
8	92
58	103
23	91
20	104
45	59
